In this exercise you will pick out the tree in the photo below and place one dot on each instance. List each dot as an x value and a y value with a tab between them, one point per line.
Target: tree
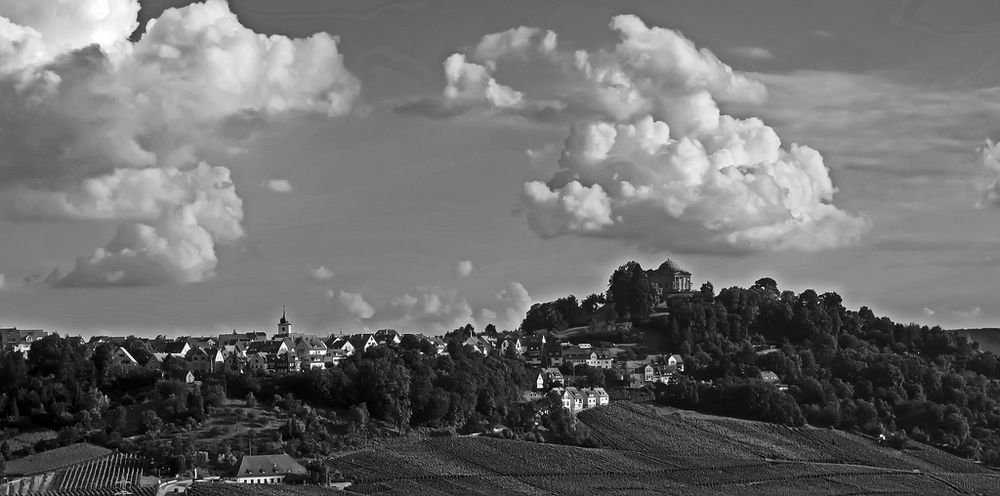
767	287
707	291
630	291
592	303
151	423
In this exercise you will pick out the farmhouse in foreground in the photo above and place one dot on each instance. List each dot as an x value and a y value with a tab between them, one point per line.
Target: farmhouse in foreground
268	469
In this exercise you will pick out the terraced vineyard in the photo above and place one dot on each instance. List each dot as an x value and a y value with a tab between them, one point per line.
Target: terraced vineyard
98	476
648	451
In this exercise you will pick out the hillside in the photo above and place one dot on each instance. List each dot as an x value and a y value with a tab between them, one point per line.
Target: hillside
649	450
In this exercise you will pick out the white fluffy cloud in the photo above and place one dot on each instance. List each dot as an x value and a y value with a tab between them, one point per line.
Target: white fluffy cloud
184	214
436	310
355	305
989	158
651	159
97	127
35	33
321	274
278	185
463	268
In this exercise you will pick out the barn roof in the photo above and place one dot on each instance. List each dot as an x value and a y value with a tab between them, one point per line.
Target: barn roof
282	464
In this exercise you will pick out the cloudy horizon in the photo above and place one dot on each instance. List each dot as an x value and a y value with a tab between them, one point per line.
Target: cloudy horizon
173	167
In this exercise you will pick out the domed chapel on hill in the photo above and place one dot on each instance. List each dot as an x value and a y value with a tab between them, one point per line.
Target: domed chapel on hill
670	277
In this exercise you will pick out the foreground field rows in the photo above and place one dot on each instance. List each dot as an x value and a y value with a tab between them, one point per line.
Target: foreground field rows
653	451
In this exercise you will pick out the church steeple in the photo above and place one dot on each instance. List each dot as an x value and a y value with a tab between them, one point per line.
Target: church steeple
284	326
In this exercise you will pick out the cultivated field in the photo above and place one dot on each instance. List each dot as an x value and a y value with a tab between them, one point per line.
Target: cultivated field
655	451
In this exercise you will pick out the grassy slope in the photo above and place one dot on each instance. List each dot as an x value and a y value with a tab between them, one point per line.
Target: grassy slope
656	450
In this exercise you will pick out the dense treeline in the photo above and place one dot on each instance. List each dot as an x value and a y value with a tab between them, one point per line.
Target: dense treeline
82	396
405	387
846	369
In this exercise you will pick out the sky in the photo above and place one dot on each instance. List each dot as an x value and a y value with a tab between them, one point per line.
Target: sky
176	169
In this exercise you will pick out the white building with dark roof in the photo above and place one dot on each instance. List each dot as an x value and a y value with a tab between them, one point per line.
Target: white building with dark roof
269	469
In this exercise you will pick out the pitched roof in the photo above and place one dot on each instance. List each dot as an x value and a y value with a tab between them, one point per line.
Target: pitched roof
358	341
767	375
174	347
126	354
282	464
243	336
312	342
270	347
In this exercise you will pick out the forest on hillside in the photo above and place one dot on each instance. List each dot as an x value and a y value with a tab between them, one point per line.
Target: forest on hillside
847	369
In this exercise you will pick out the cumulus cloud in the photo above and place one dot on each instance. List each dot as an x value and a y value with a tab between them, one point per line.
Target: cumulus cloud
437	310
321	274
463	268
989	159
186	213
355	305
278	185
511	306
97	127
35	33
3	282
651	159
929	312
973	313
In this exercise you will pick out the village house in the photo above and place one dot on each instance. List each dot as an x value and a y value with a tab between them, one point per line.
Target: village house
548	378
334	357
511	343
201	342
478	344
772	378
154	363
594	397
185	376
340	343
206	360
571	397
675	362
386	337
534	350
122	358
236	362
242	337
268	347
269	469
311	350
257	362
576	400
362	342
649	373
14	340
585	354
178	349
439	344
283	363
